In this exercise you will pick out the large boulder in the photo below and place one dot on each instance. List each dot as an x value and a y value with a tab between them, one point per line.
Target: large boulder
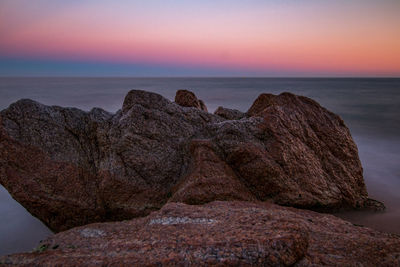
217	234
69	167
48	162
296	152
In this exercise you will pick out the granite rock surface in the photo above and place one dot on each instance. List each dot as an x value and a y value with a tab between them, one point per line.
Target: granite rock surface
229	114
186	98
69	167
218	234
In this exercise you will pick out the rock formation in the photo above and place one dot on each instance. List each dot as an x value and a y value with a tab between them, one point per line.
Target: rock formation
209	178
186	98
218	234
299	153
229	114
69	167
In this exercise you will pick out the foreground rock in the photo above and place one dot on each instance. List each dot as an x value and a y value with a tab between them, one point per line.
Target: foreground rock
69	167
218	233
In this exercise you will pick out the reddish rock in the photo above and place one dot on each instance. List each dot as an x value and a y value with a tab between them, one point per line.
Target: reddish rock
186	98
61	194
209	178
70	167
262	102
218	234
297	153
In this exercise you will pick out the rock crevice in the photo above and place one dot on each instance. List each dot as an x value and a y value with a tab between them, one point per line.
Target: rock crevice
69	167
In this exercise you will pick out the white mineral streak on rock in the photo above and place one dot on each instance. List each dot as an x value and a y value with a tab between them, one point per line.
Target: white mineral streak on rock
90	232
181	220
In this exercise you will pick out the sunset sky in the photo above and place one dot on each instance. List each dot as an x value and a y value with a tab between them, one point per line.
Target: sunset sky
271	38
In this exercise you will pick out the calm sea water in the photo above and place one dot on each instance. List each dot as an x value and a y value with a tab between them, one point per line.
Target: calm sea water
369	107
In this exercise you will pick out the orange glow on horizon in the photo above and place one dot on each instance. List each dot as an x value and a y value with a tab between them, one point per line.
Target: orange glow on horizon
253	39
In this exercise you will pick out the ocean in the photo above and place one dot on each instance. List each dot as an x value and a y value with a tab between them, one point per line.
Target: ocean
370	108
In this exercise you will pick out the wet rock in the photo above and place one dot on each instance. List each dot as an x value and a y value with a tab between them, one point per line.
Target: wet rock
186	98
218	233
372	204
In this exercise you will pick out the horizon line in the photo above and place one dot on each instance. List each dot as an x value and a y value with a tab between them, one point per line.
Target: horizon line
201	77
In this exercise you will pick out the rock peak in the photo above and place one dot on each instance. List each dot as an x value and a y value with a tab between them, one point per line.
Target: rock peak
187	98
144	98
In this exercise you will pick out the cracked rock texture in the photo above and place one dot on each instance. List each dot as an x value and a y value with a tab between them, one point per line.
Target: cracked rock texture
69	167
218	234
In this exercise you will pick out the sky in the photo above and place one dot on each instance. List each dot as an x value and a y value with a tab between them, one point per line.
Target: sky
260	38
